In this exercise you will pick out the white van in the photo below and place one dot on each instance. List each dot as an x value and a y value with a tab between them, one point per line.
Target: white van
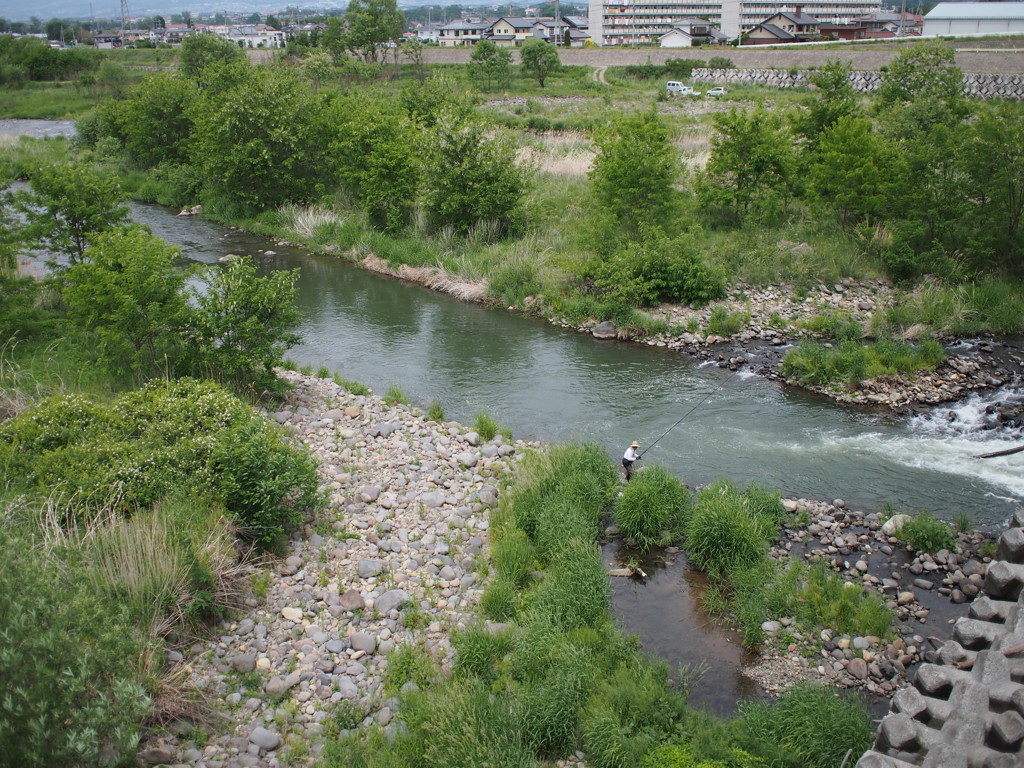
675	87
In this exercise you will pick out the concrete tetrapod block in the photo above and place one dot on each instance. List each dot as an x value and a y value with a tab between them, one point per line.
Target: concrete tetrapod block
1011	546
899	732
1004	580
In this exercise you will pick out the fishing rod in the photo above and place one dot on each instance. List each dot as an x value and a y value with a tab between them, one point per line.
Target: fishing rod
698	405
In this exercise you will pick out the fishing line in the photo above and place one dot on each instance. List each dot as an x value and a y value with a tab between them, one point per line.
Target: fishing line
698	405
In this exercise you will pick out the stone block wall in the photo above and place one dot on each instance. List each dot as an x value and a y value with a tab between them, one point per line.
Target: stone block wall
966	710
976	85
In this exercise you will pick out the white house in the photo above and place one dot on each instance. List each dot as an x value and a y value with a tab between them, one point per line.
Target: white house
974	19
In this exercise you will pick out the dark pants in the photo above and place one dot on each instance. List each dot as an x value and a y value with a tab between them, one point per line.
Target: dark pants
628	466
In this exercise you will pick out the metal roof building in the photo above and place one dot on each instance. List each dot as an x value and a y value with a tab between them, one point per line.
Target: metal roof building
974	18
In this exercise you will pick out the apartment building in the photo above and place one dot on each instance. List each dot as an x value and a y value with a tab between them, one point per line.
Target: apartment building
630	22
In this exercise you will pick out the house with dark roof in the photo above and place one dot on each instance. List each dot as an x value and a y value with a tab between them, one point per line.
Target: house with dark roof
691	31
555	30
512	31
460	33
784	27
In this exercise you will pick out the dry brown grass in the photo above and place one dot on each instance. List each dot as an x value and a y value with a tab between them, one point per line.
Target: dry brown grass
694	145
559	154
435	278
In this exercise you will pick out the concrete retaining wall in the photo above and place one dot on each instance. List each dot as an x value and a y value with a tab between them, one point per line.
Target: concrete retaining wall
980	86
986	57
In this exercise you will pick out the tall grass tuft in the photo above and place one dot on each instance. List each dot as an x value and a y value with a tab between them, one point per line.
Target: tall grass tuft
653	507
435	411
814	723
395	396
723	533
485	426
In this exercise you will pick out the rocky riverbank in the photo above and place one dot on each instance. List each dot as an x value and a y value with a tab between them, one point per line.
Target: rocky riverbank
924	591
773	324
395	557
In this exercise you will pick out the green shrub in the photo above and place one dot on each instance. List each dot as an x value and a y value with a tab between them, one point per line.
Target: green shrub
655	270
927	534
723	533
154	441
720	62
71	695
653	507
813	723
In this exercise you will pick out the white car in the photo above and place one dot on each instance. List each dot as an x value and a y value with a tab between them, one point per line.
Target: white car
676	87
716	91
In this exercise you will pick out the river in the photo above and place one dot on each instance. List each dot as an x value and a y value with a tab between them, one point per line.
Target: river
552	384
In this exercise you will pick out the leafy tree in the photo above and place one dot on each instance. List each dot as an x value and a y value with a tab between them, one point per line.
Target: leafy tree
439	96
376	151
155	120
490	65
200	52
752	156
922	87
255	141
836	99
273	22
252	18
54	29
243	324
316	66
333	38
67	205
128	293
370	24
412	50
992	160
472	178
539	59
635	170
851	169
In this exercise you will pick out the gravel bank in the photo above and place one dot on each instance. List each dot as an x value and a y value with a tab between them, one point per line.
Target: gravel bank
393	558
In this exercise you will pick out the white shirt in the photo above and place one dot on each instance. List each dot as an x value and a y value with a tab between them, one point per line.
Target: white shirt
631	454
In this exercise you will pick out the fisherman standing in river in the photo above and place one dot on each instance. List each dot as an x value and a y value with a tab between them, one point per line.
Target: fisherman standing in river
631	455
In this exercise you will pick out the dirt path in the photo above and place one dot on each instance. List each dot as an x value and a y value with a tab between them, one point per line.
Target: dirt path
598	75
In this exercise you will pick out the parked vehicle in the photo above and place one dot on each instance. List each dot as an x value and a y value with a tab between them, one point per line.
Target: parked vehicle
675	87
716	91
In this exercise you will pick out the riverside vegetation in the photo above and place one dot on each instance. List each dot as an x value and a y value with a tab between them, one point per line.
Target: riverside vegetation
583	226
148	517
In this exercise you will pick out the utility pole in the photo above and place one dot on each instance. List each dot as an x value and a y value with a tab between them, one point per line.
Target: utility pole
124	21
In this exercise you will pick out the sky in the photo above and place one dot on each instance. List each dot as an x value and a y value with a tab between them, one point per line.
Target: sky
19	10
